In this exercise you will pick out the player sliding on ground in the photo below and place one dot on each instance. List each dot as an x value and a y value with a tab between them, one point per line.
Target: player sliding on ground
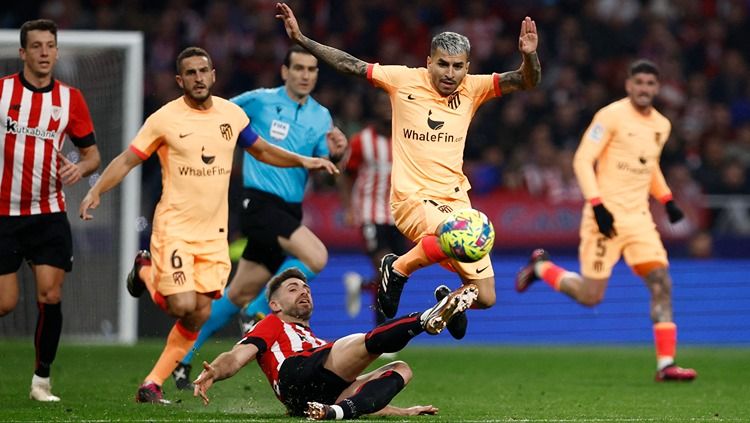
324	380
624	141
432	110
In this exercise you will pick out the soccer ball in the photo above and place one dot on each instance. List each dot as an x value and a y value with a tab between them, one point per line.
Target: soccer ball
467	235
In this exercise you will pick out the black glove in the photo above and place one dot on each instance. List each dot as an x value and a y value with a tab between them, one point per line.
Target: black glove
605	221
674	212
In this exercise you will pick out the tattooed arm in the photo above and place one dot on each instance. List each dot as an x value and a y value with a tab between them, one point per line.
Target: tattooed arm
530	72
339	60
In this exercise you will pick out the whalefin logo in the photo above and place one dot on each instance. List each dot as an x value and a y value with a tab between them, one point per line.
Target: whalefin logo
206	159
434	124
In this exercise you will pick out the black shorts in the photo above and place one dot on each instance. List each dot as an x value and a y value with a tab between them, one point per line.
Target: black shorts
383	238
303	379
264	218
40	239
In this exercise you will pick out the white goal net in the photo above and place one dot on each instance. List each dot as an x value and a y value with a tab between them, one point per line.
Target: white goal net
108	68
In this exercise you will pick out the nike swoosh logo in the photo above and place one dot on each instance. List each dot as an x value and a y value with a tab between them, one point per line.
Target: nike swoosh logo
482	269
185	135
410	97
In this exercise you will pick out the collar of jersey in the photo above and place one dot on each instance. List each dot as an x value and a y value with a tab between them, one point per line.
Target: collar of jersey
32	88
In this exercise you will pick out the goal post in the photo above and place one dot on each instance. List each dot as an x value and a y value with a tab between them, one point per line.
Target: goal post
107	66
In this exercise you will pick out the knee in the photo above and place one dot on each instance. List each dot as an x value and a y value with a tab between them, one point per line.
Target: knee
50	295
8	301
241	295
486	299
193	320
591	300
177	311
318	261
181	309
403	369
7	305
201	315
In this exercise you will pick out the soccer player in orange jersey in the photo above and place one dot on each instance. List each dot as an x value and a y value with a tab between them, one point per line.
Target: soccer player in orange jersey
617	166
194	137
432	109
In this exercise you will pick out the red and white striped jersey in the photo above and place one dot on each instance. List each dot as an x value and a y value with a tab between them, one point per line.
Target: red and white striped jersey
276	341
371	160
33	128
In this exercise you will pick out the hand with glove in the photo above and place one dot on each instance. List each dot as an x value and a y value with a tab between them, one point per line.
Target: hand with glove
674	212
604	219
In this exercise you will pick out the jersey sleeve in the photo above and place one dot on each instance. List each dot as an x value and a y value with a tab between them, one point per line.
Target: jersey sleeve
80	128
248	102
263	334
245	100
483	87
241	117
659	188
596	137
148	139
388	77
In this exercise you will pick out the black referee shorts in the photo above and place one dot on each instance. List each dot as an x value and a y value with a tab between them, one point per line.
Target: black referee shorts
40	239
263	219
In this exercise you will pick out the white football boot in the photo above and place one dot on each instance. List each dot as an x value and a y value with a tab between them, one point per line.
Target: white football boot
41	390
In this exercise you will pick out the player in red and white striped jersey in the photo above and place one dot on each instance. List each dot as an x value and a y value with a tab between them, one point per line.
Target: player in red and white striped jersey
365	197
324	380
37	113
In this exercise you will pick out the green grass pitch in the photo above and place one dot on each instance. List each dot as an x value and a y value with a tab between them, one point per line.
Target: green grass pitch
500	383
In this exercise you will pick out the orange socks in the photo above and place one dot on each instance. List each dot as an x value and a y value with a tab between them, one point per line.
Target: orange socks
665	340
179	342
550	273
425	253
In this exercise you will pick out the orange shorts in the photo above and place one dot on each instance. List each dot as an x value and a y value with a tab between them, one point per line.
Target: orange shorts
638	242
419	217
183	266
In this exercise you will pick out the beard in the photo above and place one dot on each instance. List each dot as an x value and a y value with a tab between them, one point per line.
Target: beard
199	98
301	312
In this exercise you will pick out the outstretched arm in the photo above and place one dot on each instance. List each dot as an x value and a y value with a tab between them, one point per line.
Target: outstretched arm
417	410
112	175
530	73
339	60
223	367
268	153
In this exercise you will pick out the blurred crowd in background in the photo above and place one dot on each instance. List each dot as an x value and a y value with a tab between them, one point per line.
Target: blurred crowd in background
523	143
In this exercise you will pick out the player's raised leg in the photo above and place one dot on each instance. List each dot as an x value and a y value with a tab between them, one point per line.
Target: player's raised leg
417	220
350	355
585	291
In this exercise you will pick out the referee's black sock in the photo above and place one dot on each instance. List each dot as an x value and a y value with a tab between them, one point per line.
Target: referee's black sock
393	335
47	336
373	395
